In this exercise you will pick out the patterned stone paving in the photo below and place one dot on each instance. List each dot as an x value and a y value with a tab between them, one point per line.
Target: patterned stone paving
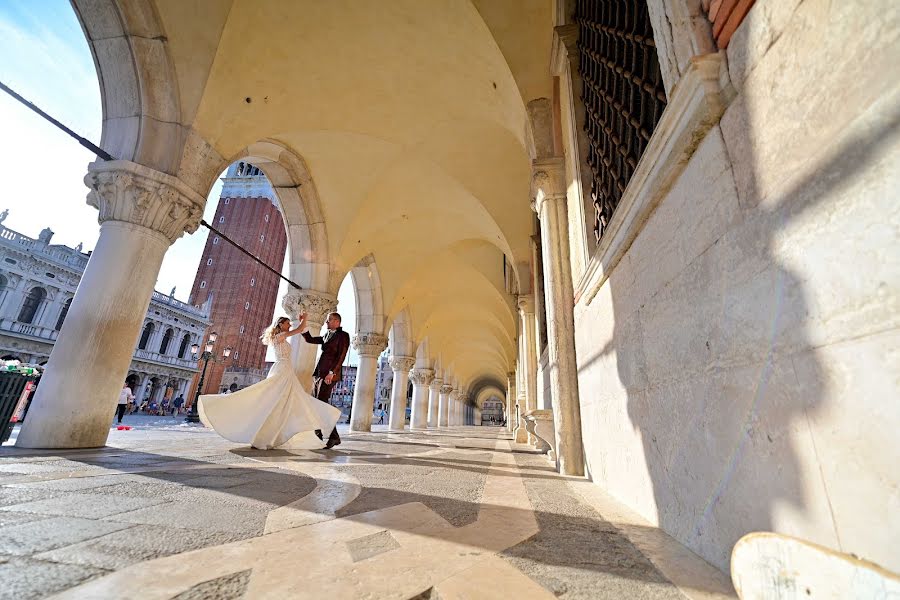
171	511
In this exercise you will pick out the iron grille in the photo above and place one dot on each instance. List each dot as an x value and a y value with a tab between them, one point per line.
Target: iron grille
623	95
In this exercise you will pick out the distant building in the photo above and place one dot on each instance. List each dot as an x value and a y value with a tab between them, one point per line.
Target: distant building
342	393
242	292
492	409
37	284
384	382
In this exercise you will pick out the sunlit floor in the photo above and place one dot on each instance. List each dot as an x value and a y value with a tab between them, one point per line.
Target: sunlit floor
173	511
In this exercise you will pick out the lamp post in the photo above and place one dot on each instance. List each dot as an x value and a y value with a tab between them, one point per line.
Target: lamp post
206	357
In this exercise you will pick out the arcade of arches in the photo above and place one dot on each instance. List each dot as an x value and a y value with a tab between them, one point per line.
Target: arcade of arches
673	269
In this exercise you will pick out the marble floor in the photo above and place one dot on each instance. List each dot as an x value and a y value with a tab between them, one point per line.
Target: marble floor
171	511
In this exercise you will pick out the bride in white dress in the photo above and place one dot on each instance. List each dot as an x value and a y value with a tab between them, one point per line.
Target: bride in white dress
275	410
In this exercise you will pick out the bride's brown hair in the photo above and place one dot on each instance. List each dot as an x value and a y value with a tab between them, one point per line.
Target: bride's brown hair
268	333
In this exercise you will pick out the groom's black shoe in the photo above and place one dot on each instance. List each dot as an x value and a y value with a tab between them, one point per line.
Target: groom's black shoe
319	434
333	440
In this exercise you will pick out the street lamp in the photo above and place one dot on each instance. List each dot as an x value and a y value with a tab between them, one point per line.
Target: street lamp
206	357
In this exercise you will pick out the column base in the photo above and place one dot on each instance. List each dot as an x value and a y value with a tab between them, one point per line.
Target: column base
521	434
540	425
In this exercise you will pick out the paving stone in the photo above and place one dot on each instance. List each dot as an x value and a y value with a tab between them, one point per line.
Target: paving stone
25	579
371	545
228	587
451	491
9	518
45	534
211	516
88	506
10	495
579	555
74	484
139	543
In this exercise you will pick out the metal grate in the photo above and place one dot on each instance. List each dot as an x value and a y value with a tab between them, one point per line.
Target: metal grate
623	95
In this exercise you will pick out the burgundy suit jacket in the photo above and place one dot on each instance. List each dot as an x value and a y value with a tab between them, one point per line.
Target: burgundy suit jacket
334	351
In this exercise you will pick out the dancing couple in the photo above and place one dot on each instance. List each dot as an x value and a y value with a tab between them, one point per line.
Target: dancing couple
277	412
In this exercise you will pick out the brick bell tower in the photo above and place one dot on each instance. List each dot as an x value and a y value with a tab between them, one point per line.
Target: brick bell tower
243	292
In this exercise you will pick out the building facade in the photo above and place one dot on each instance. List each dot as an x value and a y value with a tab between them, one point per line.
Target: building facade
241	292
492	412
37	283
342	393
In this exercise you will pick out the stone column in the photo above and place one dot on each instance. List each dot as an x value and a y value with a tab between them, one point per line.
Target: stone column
529	358
368	346
511	401
477	416
421	379
401	366
142	212
434	402
453	417
444	406
542	399
317	306
549	191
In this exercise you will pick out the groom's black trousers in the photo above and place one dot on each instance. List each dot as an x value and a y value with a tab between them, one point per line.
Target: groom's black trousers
322	391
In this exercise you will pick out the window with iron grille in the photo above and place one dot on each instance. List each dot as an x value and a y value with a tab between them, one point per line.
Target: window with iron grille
623	95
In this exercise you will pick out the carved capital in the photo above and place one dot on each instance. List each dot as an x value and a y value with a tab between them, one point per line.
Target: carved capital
316	304
548	181
436	383
421	376
446	389
402	364
369	344
125	191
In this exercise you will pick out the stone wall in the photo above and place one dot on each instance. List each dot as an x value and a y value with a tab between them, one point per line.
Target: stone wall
738	367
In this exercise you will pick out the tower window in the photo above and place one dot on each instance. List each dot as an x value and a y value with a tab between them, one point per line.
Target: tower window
252	281
246	306
202	284
267	218
262	237
227	200
221	219
216	241
242	329
208	262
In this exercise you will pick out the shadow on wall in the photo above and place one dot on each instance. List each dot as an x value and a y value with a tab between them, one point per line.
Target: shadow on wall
718	363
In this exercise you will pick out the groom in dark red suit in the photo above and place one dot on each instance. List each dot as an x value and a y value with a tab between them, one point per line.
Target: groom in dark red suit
335	344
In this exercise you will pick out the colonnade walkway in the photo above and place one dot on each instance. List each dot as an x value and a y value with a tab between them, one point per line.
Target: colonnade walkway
172	511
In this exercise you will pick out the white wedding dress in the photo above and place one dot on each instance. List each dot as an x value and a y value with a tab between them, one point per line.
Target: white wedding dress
274	413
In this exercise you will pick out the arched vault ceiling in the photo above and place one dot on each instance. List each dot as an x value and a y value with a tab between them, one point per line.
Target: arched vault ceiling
399	108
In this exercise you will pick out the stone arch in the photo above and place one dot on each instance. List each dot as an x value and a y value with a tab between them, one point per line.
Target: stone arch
166	340
145	336
301	208
31	304
401	336
369	299
138	87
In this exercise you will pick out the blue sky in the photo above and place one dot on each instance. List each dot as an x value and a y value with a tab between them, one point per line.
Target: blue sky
44	56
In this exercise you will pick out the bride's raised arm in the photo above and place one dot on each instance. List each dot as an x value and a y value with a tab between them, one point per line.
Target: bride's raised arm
300	328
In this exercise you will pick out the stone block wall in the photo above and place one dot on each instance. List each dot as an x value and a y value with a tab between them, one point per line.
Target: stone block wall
738	368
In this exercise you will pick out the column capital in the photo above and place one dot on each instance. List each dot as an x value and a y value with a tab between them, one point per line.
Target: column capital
446	389
548	181
125	191
436	383
316	304
525	302
421	376
401	364
369	344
